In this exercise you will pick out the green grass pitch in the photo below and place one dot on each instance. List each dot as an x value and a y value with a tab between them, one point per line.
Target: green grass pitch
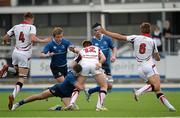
120	104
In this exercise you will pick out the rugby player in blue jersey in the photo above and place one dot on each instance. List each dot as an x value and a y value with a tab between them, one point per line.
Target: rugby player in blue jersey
57	49
63	90
106	44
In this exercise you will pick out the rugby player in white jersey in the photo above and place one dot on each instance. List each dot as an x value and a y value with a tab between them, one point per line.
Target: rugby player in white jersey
91	59
145	51
25	35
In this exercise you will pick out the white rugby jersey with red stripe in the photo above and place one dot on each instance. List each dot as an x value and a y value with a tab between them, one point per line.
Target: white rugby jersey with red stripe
144	46
22	33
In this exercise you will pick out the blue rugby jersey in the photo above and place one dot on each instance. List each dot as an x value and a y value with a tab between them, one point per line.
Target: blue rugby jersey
60	50
67	86
104	43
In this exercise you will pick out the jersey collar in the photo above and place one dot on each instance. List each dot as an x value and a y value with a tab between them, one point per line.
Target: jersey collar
147	35
56	42
100	37
24	22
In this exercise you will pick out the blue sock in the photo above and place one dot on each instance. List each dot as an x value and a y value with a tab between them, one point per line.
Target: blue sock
21	102
93	90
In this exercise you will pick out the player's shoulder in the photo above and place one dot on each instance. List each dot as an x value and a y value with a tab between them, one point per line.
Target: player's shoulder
65	41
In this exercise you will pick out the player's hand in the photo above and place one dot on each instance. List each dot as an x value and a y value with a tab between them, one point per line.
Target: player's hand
113	58
98	65
101	30
50	54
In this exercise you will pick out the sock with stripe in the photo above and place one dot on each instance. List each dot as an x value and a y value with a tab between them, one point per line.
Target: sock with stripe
144	89
101	97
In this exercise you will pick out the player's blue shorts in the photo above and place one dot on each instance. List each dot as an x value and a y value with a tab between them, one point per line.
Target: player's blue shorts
107	69
57	91
59	71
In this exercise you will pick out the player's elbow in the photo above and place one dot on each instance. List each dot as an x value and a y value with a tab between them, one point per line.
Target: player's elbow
157	56
157	59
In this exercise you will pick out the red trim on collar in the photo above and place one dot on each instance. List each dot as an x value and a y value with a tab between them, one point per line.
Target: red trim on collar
147	35
24	22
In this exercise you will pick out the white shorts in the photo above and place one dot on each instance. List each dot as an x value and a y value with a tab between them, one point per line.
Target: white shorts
147	70
90	69
21	58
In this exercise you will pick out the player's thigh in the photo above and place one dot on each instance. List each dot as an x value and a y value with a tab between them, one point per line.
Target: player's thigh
101	79
59	72
23	71
46	94
155	81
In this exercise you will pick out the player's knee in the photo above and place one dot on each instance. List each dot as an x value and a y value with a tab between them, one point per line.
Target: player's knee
104	86
22	76
155	88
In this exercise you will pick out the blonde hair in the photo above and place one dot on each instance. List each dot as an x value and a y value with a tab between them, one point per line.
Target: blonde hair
57	31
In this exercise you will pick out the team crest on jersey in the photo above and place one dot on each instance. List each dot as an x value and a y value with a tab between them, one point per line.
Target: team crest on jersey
54	47
104	43
62	46
96	44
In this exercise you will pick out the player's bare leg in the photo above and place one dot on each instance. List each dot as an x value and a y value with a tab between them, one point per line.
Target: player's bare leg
153	84
75	94
22	76
155	80
101	80
41	96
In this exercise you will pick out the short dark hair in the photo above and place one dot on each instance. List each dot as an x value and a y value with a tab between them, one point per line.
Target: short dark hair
28	15
96	25
145	28
86	43
57	31
77	68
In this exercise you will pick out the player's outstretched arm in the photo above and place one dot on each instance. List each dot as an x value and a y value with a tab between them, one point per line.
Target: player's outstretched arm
74	50
113	35
35	39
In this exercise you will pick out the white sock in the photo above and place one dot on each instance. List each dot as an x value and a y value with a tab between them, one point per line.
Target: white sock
144	89
16	90
74	96
11	69
163	99
101	97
